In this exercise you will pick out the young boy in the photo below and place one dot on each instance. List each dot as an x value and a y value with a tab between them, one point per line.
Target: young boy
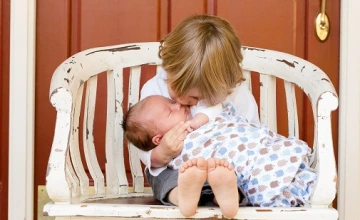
271	170
201	61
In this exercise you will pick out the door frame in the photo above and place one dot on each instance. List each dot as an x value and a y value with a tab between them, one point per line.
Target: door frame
22	105
349	112
21	109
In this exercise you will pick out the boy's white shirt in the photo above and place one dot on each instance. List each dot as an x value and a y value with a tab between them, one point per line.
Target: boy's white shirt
241	98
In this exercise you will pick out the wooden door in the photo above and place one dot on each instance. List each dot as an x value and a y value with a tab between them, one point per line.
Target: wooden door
4	104
66	27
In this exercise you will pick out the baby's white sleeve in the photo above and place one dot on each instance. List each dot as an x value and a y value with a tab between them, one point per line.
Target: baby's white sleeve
201	107
145	157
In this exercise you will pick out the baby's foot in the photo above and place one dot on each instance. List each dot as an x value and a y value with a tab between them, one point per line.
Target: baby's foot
222	179
192	176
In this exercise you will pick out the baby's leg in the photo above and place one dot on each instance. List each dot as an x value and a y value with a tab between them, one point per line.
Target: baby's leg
222	179
192	176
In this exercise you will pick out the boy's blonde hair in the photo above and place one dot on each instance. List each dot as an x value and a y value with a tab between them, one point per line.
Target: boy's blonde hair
138	132
203	51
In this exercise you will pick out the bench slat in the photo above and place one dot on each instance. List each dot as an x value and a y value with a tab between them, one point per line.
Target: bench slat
118	147
293	123
72	178
247	77
112	182
268	101
74	145
88	136
135	165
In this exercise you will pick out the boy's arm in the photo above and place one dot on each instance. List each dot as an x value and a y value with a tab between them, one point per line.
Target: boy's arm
158	158
170	146
145	157
172	143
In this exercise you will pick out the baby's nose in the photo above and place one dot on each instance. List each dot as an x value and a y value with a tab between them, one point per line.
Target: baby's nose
175	106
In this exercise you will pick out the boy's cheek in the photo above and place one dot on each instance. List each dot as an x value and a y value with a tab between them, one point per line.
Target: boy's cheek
171	93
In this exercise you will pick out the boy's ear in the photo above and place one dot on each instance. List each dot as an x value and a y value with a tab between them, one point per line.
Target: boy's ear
156	139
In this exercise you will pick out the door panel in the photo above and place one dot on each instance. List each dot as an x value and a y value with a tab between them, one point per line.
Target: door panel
266	24
66	27
179	10
272	26
117	22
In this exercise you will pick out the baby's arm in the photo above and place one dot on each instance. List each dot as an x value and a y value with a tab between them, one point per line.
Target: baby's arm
202	114
198	120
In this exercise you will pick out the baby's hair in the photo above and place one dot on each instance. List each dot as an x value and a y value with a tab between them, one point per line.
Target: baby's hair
138	132
202	51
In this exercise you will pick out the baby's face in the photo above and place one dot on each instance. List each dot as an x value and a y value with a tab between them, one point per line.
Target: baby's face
165	113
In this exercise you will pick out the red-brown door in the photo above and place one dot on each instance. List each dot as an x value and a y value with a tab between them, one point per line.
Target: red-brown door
66	27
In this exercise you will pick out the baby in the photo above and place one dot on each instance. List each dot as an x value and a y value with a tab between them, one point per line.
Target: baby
271	170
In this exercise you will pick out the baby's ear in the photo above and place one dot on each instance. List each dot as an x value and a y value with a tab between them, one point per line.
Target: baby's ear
156	139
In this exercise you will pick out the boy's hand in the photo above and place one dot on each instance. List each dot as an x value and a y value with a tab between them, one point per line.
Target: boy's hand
170	146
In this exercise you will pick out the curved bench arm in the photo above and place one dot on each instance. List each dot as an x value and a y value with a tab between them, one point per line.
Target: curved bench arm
323	97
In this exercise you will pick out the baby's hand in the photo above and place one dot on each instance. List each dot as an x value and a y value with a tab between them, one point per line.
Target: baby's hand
190	128
198	120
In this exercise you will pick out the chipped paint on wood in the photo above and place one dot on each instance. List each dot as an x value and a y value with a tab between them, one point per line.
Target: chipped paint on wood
290	64
253	49
95	210
118	49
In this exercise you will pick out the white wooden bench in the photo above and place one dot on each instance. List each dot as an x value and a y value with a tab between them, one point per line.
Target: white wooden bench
68	184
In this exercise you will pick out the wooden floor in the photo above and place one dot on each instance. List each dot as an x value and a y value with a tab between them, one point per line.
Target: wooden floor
43	198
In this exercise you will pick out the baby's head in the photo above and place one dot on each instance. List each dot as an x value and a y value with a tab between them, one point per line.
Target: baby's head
202	52
147	121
